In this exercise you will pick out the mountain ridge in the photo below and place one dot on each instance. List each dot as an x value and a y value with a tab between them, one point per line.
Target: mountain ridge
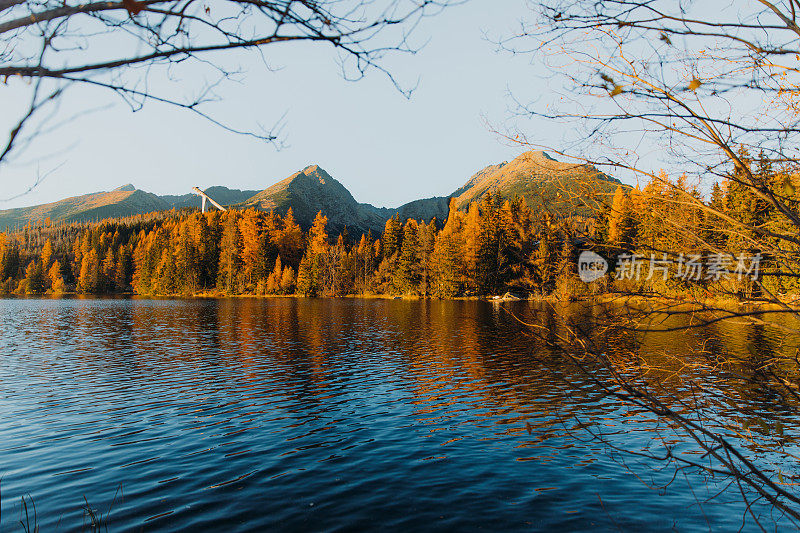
543	181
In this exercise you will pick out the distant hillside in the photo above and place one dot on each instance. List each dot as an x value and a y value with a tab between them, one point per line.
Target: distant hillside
121	202
425	209
543	181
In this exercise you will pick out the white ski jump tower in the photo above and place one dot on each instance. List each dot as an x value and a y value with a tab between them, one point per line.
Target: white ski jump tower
205	197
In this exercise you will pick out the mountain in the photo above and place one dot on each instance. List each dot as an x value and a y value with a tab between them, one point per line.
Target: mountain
312	190
542	181
122	201
223	195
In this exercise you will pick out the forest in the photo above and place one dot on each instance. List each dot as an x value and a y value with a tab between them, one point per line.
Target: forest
496	245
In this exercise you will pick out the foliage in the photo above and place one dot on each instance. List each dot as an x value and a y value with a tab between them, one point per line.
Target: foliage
484	251
495	246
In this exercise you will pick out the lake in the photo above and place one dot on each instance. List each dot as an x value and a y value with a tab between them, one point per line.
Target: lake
329	414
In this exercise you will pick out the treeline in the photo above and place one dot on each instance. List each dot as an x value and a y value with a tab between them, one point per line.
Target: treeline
671	219
496	245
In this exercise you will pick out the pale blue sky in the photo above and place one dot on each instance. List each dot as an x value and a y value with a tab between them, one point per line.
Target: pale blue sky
385	149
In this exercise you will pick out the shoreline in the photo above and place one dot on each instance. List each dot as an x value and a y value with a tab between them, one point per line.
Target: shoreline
603	298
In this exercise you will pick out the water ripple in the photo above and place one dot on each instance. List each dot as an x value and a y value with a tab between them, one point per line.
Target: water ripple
311	414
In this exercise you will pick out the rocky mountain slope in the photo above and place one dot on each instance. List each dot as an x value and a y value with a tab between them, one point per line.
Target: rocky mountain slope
544	183
121	202
312	190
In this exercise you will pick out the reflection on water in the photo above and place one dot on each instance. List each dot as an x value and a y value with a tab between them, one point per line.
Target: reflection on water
324	414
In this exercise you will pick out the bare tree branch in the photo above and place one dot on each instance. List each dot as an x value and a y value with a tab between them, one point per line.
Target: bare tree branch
51	45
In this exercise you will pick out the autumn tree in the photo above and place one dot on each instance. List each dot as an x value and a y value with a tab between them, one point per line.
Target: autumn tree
365	262
318	236
34	278
337	270
166	278
273	285
471	248
544	263
89	280
57	285
427	239
409	263
142	262
313	269
448	257
392	237
290	239
287	280
704	89
9	258
253	246
229	255
122	269
186	258
108	267
305	277
491	245
47	253
622	220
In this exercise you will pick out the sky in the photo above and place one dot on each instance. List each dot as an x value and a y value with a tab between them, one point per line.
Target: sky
386	149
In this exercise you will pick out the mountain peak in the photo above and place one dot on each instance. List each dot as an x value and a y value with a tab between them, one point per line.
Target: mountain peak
316	171
540	179
307	192
128	187
539	163
540	158
537	154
